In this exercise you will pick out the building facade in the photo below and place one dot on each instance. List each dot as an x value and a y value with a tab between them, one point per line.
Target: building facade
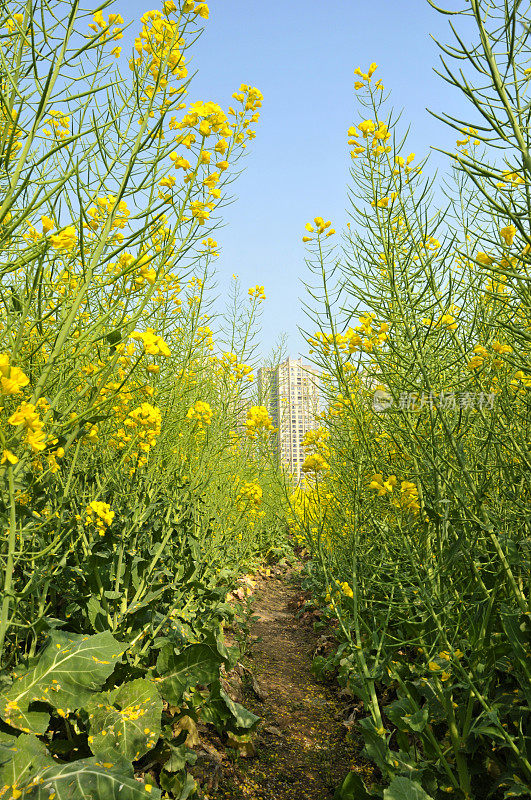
291	394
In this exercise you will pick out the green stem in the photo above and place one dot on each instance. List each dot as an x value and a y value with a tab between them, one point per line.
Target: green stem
10	563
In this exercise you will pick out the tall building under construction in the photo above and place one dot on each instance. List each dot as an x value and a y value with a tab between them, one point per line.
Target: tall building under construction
291	393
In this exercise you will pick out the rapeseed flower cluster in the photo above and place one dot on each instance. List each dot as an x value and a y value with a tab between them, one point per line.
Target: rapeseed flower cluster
258	420
12	134
507	234
153	343
230	367
257	293
315	463
510	180
138	436
403	496
27	415
377	135
204	337
365	336
12	379
59	124
65	239
365	78
159	47
315	438
200	413
341	405
482	357
346	589
100	515
446	321
8	458
250	495
320	227
104	208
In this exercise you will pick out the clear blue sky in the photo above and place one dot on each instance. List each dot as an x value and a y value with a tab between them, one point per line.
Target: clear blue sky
302	56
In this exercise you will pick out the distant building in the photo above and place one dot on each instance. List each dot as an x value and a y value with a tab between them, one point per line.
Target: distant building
291	394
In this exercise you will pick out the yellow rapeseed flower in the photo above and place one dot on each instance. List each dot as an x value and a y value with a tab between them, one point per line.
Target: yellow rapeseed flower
508	233
8	456
201	413
65	240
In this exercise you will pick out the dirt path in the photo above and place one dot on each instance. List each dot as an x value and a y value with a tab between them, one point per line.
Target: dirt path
301	751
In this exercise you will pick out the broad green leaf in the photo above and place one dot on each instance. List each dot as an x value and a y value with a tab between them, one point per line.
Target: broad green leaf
404	789
64	675
215	712
488	724
375	744
147	601
399	711
223	712
7	748
96	615
92	779
215	638
181	786
125	721
196	664
242	717
188	788
177	759
21	758
353	788
417	721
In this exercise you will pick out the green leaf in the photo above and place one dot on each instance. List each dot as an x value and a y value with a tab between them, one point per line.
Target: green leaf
488	724
97	615
21	758
242	717
113	595
177	759
65	675
181	786
417	721
7	743
215	712
399	711
517	790
189	787
517	634
113	338
90	778
223	712
147	601
125	721
404	789
353	788
215	638
196	664
375	744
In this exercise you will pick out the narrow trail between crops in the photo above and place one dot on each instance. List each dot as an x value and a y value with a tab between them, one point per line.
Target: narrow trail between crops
300	749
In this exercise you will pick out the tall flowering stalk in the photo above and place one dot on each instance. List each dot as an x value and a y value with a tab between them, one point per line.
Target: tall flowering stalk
421	325
110	190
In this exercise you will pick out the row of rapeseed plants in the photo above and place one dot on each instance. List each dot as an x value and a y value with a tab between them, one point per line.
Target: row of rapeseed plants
133	485
417	514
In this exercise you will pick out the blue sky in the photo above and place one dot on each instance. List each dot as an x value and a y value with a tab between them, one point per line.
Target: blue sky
302	56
